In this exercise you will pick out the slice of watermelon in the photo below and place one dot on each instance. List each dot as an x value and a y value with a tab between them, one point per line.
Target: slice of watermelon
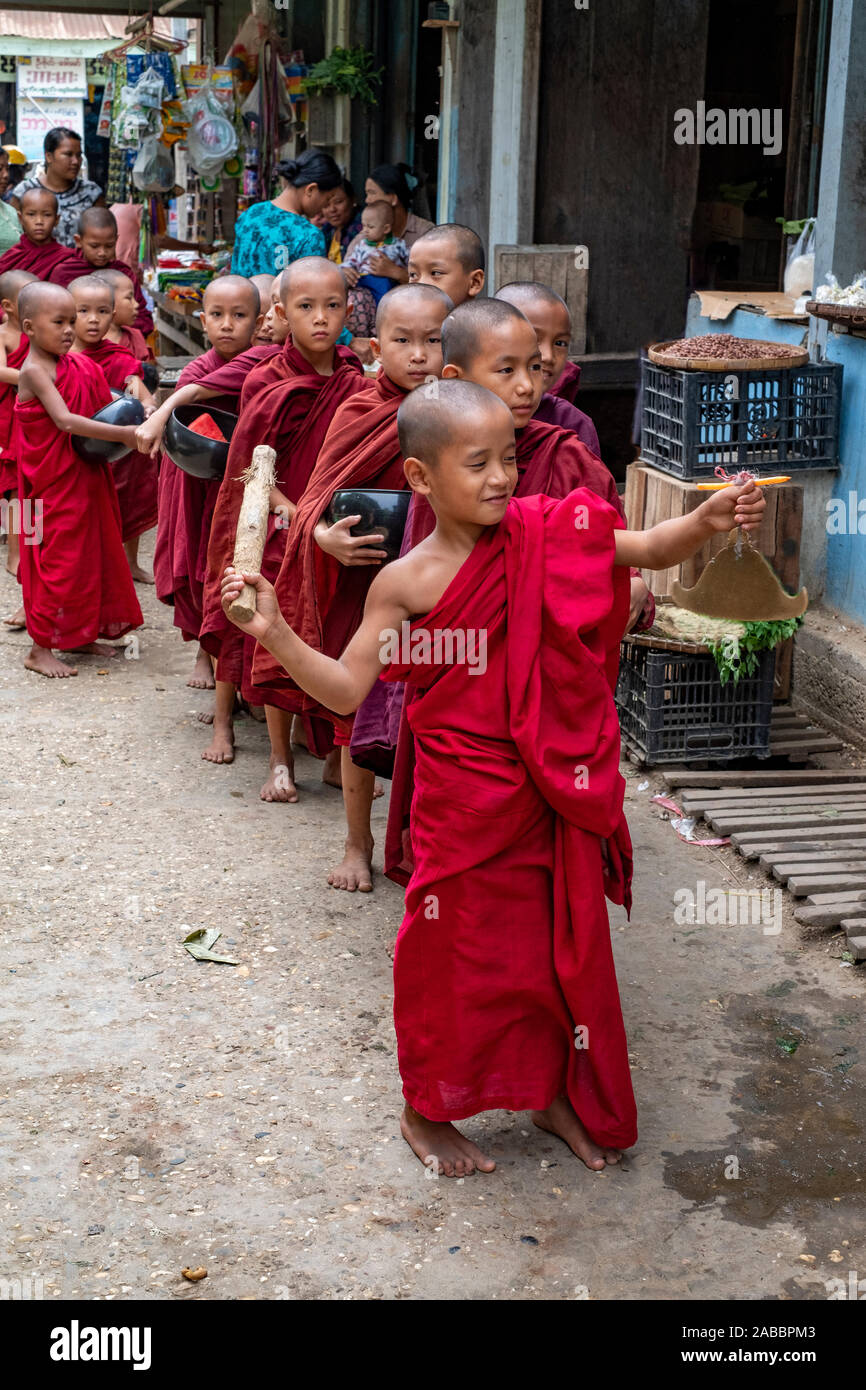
206	425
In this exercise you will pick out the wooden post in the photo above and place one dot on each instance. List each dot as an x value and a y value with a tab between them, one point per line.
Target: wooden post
253	528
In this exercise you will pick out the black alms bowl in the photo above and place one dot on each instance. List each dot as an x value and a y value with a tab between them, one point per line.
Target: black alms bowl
381	511
195	454
121	410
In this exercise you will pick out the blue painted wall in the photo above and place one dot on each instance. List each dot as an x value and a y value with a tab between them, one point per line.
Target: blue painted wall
846	553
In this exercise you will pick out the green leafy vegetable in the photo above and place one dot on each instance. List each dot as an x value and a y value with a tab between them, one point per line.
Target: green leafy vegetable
349	71
737	655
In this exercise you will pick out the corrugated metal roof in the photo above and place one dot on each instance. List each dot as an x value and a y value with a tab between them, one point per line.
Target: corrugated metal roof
55	26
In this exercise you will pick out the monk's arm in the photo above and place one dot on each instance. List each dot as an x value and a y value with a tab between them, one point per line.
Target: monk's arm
150	433
280	503
36	381
341	684
136	387
673	541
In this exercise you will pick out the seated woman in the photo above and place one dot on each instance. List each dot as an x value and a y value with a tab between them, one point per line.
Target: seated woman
270	235
342	221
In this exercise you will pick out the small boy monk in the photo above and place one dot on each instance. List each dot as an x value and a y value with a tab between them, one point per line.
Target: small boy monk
505	993
135	476
96	240
264	284
491	343
76	582
13	351
451	257
230	307
36	250
309	378
327	571
122	329
550	316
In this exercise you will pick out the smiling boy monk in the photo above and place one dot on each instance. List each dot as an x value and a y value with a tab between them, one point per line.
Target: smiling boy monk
36	250
96	240
308	380
450	257
13	351
76	582
230	307
135	476
505	993
326	573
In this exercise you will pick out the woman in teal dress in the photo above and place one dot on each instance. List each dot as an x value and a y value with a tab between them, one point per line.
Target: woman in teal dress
270	235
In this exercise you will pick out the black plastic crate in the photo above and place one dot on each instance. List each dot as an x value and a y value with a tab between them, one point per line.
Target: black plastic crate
768	421
672	705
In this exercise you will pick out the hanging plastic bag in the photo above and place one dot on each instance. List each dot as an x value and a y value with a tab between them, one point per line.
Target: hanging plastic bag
153	170
138	109
212	138
800	265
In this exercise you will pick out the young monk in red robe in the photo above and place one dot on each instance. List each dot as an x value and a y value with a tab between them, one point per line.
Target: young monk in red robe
310	377
13	351
326	572
505	993
96	241
76	582
185	504
122	329
36	250
493	344
451	257
135	476
550	316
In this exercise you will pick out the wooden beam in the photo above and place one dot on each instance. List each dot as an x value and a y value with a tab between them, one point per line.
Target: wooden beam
764	777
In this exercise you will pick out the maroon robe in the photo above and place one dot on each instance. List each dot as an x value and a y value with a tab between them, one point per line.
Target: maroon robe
135	475
40	258
8	394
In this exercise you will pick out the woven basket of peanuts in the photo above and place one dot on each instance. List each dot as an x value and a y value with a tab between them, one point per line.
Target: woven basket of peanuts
722	352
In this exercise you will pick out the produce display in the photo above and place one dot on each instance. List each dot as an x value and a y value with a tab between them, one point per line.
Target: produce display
725	345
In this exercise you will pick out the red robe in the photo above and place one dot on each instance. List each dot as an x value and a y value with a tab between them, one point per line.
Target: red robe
135	475
76	265
132	339
76	582
504	951
8	394
40	258
551	462
566	385
292	414
322	600
185	508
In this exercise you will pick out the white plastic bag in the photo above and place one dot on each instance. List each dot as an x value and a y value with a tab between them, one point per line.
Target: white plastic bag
139	108
212	138
153	170
800	265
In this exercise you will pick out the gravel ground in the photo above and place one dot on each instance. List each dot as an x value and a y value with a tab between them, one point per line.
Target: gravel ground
162	1113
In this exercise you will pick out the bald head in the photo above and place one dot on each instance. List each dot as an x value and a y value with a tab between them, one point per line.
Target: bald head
526	293
408	299
430	420
264	285
97	220
466	245
308	273
91	284
34	196
464	330
236	286
13	282
43	298
115	278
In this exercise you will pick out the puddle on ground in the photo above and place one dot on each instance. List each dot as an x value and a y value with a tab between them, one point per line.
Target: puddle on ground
799	1113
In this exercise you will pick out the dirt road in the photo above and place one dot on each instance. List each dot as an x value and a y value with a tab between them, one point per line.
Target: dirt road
159	1113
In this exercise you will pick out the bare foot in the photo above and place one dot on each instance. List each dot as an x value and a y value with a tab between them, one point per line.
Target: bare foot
206	716
355	870
202	673
560	1119
221	748
280	785
378	789
43	661
441	1147
99	649
17	621
256	712
141	576
331	774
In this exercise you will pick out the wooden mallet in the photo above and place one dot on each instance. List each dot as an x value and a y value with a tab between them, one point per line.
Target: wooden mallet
252	529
